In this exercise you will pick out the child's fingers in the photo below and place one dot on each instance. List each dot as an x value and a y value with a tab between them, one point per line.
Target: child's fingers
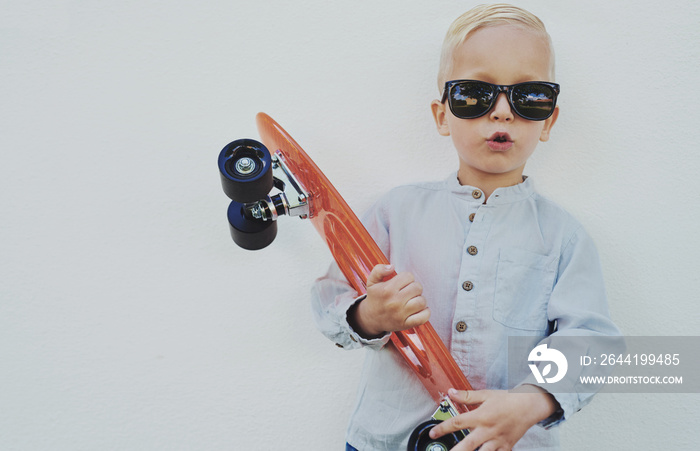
415	304
458	423
418	318
487	446
379	273
409	288
469	397
472	442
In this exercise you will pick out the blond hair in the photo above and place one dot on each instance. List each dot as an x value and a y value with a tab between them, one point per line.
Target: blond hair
487	16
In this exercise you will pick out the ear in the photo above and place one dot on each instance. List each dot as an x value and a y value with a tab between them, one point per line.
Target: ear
548	124
440	116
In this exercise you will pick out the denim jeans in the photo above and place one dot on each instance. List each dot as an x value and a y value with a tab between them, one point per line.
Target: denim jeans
349	447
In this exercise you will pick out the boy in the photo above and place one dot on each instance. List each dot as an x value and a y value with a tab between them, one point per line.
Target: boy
481	254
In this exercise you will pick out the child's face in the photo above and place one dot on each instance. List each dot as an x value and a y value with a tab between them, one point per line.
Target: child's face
503	55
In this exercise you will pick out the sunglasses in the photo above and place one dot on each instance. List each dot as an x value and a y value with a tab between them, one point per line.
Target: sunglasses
532	100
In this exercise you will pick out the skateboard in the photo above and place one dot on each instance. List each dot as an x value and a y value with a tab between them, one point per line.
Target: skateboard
263	186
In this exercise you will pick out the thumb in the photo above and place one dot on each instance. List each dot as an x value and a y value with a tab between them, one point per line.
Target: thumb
379	274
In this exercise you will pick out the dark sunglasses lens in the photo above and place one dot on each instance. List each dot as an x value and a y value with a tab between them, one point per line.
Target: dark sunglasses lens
533	101
469	99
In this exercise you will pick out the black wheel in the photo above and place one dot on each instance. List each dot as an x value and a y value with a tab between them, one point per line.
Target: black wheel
248	232
245	166
420	439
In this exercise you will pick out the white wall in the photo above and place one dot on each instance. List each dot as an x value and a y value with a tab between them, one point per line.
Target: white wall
129	320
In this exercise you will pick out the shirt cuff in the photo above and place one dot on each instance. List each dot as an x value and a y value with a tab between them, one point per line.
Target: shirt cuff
377	342
565	406
553	420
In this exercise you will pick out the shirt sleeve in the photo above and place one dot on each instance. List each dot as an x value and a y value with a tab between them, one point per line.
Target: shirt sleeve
578	306
332	296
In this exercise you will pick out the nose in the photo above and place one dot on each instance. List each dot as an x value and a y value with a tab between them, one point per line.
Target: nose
501	110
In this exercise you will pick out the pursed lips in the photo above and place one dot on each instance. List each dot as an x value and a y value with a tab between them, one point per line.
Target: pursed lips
499	141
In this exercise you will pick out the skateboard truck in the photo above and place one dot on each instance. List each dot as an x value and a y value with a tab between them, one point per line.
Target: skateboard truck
292	199
420	438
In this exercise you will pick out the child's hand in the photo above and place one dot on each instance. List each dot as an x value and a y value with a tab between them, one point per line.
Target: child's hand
391	305
502	418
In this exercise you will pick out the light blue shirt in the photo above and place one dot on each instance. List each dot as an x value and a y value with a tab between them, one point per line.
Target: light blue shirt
516	265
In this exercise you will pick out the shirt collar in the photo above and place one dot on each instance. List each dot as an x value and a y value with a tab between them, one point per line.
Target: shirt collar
503	195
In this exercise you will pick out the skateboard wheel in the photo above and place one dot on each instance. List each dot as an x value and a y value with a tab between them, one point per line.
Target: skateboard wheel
248	232
420	439
245	166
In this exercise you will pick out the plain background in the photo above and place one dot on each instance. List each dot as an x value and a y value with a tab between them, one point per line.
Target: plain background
130	321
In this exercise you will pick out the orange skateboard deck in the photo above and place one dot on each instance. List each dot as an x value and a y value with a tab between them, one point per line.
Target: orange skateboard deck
352	247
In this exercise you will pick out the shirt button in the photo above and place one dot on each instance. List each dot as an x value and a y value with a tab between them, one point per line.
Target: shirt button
471	217
476	194
467	286
461	326
472	250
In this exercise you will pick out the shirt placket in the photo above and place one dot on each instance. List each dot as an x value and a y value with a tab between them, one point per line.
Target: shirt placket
465	309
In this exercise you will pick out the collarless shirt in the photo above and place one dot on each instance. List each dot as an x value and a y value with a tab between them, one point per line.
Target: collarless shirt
515	265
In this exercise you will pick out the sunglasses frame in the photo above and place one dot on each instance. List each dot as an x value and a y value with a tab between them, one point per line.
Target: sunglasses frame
498	89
